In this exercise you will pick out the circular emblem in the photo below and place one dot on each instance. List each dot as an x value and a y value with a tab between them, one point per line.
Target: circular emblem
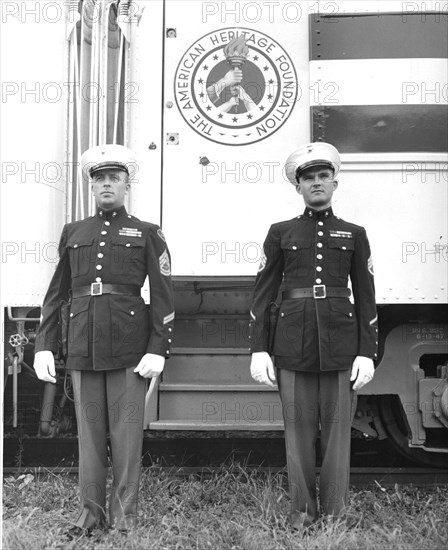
236	86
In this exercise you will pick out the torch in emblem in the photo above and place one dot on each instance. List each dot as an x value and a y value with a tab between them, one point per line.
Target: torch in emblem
236	53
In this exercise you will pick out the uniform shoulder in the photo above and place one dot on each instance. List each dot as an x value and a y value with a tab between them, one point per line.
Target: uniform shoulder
79	223
78	226
352	226
286	223
148	227
142	223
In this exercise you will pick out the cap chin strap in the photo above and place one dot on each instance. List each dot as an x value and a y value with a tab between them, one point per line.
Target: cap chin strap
109	166
312	163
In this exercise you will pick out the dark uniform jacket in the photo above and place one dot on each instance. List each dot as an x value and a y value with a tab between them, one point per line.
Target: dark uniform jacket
110	331
316	248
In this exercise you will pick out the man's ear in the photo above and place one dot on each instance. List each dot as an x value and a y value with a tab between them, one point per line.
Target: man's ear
299	189
335	185
128	186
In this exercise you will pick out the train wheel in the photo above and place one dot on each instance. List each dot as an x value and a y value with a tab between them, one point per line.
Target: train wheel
394	423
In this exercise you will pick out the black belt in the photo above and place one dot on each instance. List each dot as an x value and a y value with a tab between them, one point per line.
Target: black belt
317	292
97	289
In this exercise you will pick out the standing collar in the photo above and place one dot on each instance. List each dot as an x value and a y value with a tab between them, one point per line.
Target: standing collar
110	214
311	214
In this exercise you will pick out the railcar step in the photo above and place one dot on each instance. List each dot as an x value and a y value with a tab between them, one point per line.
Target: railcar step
209	351
214	426
165	386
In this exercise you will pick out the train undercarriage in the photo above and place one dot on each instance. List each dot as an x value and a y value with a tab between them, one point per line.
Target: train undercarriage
206	386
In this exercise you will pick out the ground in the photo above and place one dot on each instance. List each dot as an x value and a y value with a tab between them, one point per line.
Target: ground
229	509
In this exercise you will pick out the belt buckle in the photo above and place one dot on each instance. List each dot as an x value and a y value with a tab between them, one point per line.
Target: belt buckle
96	289
319	292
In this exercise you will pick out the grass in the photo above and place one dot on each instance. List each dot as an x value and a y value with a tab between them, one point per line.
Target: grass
236	509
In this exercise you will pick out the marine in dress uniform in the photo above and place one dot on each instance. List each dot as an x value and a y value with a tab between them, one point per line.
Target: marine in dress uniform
113	343
322	341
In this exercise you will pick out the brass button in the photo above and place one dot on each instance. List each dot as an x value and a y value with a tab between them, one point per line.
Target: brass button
318	268
100	255
98	279
103	232
318	281
319	245
99	267
319	256
320	223
102	243
106	223
320	233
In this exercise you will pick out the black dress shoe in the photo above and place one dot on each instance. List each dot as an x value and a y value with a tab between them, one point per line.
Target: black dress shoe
78	532
301	523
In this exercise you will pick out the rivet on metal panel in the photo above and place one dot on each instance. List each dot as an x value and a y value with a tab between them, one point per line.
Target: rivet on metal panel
204	161
152	146
172	138
169	104
171	33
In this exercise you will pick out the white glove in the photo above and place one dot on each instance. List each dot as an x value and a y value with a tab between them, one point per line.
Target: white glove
262	368
44	366
150	365
362	371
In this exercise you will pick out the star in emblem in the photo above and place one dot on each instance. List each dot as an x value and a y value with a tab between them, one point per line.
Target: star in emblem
265	68
215	57
249	116
201	94
220	115
271	81
255	57
234	119
200	81
261	108
270	96
208	108
205	67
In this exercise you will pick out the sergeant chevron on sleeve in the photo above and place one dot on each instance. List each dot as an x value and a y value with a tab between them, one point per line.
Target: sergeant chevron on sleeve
322	341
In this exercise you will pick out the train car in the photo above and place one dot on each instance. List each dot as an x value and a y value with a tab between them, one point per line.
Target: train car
158	76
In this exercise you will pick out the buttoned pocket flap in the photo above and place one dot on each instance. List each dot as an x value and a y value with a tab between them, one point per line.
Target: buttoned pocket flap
341	244
289	307
128	305
79	305
80	242
128	242
342	305
296	244
130	325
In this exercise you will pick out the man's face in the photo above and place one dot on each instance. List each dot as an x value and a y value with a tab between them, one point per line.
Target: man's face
110	187
317	185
